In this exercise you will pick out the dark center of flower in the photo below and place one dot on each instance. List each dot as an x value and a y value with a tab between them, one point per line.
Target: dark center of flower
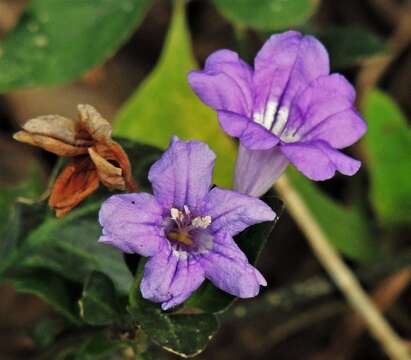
184	226
180	236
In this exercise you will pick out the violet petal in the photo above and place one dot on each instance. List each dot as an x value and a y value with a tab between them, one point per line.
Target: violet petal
131	223
228	269
257	170
170	277
252	135
233	212
319	161
225	83
182	176
284	66
325	111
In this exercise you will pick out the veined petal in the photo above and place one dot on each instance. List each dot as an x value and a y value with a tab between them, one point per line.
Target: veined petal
170	277
319	161
339	130
131	223
325	111
227	268
225	83
257	170
343	163
230	63
218	91
183	174
285	65
252	135
256	137
233	123
232	212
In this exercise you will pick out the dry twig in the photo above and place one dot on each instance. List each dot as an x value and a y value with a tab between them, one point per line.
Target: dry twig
392	344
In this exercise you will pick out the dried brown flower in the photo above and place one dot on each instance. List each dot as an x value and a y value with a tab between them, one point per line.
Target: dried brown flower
96	157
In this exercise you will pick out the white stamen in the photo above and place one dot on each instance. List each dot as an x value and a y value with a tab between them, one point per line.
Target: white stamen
187	210
181	255
175	213
201	222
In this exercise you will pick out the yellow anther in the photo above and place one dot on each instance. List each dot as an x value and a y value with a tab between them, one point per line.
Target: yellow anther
180	236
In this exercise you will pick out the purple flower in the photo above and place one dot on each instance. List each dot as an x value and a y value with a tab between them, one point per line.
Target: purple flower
287	109
185	228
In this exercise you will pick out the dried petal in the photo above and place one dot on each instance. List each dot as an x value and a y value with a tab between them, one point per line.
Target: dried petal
124	163
54	126
76	182
110	175
50	144
112	161
98	127
90	135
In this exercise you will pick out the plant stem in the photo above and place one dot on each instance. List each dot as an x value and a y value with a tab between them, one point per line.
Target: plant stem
286	301
340	273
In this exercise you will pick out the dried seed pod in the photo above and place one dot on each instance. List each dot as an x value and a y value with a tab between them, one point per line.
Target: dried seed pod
96	156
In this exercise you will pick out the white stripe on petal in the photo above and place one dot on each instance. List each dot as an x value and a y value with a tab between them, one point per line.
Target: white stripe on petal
269	114
281	121
258	118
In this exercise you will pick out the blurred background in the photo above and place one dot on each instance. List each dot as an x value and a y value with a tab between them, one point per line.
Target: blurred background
300	315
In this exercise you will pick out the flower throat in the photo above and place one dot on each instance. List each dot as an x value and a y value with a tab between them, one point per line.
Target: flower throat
183	224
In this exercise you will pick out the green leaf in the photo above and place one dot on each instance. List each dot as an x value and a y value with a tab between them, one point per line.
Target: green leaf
49	287
87	345
182	334
69	246
99	347
348	46
152	354
267	14
99	304
12	212
165	105
51	253
252	241
45	331
347	228
56	41
9	221
388	144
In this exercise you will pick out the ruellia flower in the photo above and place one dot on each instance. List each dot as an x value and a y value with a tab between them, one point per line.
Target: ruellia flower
95	156
288	109
186	228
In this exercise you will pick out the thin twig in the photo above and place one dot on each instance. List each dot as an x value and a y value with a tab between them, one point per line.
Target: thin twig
341	274
352	326
280	303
